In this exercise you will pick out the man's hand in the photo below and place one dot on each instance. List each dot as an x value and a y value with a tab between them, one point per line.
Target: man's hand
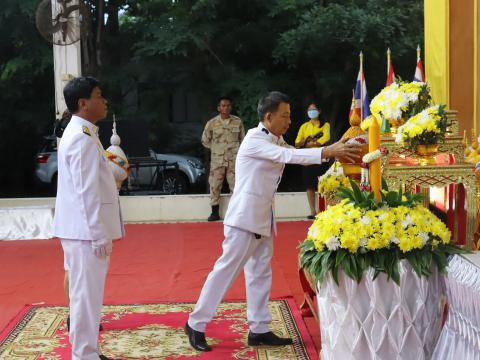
102	248
343	151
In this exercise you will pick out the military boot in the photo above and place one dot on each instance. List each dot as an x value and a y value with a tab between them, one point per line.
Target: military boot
214	216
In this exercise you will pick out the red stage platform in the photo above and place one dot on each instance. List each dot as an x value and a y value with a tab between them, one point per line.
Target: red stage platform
154	263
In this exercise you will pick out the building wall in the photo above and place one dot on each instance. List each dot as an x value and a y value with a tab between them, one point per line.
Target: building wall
451	57
461	64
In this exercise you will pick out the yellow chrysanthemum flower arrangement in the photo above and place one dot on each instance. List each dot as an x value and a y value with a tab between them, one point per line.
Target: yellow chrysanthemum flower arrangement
399	100
391	102
329	183
346	227
425	128
360	232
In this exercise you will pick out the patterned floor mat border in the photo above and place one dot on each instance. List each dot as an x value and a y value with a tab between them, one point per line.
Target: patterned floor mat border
155	331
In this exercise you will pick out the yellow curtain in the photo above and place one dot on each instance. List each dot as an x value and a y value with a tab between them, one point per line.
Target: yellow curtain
476	72
436	49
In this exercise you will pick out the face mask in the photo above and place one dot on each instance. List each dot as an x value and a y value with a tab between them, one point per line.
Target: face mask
313	114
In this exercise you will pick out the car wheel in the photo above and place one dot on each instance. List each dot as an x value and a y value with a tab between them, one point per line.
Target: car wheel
174	183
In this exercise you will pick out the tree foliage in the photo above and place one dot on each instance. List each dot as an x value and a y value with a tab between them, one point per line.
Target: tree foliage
146	50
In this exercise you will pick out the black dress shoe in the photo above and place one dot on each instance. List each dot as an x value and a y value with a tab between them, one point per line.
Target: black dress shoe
197	339
213	217
268	338
100	328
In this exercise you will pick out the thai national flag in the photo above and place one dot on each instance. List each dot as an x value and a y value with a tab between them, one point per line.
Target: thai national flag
419	74
362	105
390	74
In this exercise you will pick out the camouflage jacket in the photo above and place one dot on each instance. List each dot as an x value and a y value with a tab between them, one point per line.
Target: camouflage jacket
223	138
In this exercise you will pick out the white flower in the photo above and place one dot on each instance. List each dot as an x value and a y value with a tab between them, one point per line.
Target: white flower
313	232
424	236
407	221
333	243
423	119
399	135
395	240
363	242
365	220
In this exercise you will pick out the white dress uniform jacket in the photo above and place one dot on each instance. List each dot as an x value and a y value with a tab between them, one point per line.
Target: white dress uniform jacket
87	205
259	166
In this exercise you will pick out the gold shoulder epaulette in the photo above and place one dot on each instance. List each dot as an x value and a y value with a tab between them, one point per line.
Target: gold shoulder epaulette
86	131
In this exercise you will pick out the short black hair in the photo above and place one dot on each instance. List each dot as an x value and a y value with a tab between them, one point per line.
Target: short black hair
78	88
224	97
270	103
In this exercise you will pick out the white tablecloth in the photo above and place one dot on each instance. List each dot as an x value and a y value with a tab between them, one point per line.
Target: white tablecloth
26	223
460	337
379	320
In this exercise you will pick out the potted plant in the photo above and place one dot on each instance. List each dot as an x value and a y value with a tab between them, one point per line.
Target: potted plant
376	265
399	101
423	132
329	183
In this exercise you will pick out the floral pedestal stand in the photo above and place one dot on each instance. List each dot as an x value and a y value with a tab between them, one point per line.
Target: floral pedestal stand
377	319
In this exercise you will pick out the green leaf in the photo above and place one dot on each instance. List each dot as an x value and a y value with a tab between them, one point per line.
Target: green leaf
344	193
440	260
412	259
347	267
341	253
392	197
357	275
357	192
384	184
335	273
396	273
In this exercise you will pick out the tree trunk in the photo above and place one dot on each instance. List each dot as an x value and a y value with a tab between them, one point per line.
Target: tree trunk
100	27
112	27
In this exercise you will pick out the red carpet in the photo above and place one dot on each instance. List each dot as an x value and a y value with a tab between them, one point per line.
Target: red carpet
155	331
154	263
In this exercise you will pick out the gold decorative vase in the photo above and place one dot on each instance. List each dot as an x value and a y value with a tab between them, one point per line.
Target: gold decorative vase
395	124
353	170
427	153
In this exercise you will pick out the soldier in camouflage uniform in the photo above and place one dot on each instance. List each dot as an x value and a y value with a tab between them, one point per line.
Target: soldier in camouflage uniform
222	135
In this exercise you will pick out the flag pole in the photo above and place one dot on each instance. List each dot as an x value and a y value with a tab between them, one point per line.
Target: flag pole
388	61
361	85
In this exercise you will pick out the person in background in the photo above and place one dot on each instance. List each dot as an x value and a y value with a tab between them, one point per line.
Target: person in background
87	213
222	135
313	134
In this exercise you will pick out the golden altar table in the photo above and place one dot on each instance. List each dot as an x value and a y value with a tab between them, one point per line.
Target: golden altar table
401	170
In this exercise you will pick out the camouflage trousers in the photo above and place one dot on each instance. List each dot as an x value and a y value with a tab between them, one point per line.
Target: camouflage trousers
215	179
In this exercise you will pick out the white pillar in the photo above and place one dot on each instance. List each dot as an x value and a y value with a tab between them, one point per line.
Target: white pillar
66	59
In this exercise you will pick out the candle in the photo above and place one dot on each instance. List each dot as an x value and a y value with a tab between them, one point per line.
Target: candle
375	165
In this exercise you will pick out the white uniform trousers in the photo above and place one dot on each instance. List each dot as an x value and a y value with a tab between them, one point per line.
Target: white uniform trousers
87	275
240	250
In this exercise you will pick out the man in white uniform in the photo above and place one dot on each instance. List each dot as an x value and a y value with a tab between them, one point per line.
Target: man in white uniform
87	213
250	221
